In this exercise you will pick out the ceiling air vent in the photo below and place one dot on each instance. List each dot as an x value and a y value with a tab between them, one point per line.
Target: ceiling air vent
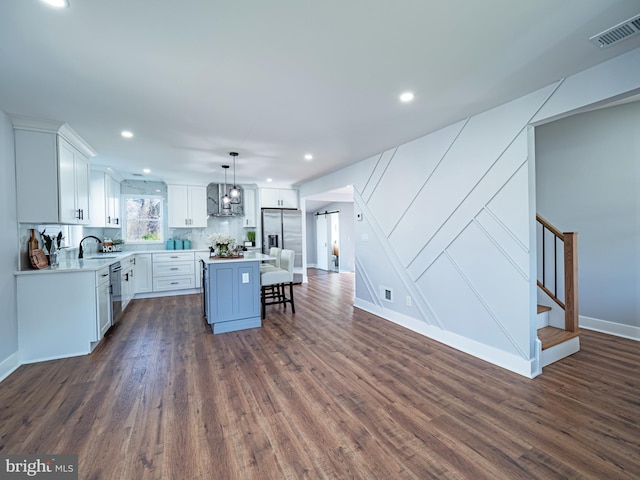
616	34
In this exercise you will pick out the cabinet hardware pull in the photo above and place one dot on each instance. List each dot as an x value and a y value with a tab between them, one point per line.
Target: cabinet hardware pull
174	283
174	268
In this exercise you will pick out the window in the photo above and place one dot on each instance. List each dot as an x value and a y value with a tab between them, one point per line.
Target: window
144	218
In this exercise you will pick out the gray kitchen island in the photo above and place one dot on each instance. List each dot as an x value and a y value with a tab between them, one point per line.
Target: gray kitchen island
231	291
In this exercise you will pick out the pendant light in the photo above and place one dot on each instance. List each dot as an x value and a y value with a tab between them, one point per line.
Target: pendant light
225	200
234	192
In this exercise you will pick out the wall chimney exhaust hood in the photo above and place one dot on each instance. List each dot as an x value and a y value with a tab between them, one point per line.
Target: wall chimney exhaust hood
215	208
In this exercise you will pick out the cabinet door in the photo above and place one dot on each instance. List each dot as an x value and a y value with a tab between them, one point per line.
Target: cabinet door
81	172
104	309
249	202
142	273
113	202
197	206
73	178
288	199
177	200
127	286
98	197
67	182
269	198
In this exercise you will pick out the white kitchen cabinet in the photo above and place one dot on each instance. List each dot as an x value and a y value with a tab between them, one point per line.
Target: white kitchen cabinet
46	330
103	304
278	198
187	206
52	173
173	271
143	273
249	204
105	200
112	197
127	277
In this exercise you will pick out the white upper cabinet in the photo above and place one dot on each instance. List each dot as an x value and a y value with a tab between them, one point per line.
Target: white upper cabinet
105	200
52	173
112	197
249	203
278	198
187	206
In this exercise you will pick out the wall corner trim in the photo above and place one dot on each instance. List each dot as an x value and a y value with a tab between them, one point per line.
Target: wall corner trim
9	365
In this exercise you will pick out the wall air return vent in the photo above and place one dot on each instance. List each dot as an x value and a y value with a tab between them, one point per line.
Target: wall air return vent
616	34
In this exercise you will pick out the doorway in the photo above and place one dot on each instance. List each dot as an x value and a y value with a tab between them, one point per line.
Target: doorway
328	240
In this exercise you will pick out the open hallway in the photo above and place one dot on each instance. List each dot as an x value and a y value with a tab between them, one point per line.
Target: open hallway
330	392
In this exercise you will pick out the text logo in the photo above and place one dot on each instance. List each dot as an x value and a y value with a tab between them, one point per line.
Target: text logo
50	467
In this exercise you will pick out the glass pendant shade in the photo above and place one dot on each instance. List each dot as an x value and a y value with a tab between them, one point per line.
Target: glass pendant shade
234	192
226	200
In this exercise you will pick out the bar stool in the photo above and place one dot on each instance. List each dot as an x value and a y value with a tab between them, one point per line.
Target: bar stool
272	283
271	264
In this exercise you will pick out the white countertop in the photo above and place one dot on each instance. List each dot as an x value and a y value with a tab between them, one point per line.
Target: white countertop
95	262
248	257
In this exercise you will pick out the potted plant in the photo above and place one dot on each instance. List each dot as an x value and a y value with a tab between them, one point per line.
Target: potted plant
251	237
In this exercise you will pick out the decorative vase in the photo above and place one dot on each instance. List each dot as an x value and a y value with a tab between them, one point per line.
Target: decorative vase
53	256
223	249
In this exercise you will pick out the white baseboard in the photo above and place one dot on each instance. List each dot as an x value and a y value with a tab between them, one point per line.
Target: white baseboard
611	328
9	365
508	361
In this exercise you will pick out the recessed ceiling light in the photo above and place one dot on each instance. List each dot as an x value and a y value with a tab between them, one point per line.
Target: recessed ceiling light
126	134
406	97
269	179
57	3
308	156
146	170
157	190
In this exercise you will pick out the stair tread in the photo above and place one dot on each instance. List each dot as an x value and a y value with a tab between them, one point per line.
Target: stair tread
551	336
543	308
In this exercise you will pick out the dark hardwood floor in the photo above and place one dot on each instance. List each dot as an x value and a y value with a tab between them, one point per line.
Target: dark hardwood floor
330	392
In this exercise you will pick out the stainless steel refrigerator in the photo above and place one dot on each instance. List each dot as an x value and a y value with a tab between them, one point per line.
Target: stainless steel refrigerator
282	228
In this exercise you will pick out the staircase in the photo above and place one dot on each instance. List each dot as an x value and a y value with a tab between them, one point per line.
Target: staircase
558	325
557	343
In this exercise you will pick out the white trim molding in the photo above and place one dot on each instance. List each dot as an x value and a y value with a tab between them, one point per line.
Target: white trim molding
9	365
527	368
611	328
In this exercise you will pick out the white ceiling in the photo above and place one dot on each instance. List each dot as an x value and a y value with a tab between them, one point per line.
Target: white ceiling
196	79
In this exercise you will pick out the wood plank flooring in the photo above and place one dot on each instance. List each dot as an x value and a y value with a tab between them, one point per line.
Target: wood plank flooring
330	392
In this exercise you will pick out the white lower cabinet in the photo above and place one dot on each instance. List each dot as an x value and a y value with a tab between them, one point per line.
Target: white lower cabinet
103	304
127	281
173	271
59	314
143	273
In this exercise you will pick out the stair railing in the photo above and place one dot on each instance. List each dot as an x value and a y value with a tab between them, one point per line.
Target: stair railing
570	304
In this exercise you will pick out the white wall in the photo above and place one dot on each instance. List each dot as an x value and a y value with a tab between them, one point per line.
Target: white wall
456	245
588	181
9	242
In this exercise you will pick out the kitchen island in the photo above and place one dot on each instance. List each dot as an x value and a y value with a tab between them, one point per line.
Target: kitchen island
231	291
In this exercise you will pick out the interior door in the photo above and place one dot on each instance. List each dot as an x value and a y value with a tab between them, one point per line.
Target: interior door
334	241
322	258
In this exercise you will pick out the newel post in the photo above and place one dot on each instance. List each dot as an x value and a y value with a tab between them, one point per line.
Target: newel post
571	281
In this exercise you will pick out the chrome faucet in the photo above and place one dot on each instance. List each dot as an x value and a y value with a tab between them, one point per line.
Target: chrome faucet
80	251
